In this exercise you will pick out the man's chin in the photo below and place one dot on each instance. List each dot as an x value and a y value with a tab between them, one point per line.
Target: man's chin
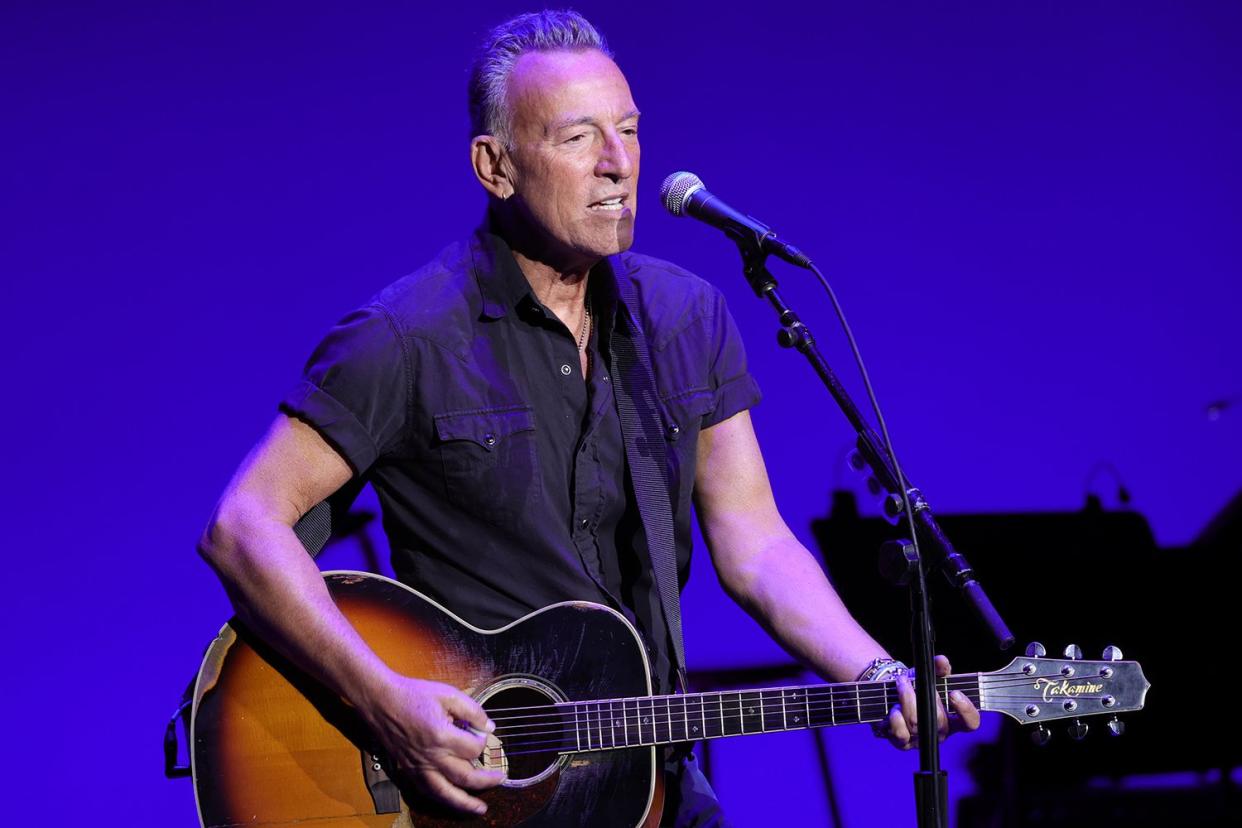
587	248
614	243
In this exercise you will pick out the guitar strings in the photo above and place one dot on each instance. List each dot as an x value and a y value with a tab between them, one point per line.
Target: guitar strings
559	740
594	728
559	718
584	717
831	693
587	714
593	724
526	745
563	744
866	688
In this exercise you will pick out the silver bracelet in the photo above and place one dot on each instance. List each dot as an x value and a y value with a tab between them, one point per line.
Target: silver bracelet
881	668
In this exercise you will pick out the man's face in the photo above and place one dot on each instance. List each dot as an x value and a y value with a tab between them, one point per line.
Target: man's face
575	154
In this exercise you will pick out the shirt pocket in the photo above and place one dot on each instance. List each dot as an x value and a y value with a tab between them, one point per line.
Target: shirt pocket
489	462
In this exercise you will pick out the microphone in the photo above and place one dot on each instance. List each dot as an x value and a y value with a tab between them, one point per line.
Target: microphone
683	194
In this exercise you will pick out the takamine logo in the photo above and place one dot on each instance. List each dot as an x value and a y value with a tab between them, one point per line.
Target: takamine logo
1051	688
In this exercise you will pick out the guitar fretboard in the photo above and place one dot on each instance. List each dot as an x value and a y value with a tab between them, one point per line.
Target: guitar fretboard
661	720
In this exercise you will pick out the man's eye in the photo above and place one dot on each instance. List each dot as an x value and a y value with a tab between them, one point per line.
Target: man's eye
576	139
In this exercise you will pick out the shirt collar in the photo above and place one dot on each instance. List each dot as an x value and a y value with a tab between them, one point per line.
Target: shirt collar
503	286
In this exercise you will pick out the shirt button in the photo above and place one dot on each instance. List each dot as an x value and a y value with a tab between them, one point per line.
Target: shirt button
566	370
584	523
673	431
489	440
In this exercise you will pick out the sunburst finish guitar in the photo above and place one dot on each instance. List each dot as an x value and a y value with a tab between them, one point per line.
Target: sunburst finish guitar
578	731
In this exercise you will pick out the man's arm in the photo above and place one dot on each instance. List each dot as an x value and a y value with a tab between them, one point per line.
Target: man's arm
279	592
767	571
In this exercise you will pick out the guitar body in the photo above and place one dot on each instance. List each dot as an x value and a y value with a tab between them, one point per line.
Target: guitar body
272	748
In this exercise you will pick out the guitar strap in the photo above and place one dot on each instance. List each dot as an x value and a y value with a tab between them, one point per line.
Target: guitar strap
642	432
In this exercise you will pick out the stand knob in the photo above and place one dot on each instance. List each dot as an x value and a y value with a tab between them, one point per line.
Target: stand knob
1073	651
1041	736
894	507
1116	726
1112	653
1077	730
1035	650
899	562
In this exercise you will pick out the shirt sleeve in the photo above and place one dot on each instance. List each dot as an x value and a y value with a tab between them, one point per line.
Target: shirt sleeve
733	388
355	388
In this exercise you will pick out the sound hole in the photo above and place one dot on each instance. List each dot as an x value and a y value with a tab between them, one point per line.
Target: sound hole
530	733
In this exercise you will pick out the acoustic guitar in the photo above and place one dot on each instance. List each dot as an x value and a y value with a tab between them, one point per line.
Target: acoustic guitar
578	733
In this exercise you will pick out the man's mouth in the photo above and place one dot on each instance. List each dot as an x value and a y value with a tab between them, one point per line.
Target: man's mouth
613	204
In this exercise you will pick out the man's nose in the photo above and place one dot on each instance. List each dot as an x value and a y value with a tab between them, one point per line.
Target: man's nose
615	161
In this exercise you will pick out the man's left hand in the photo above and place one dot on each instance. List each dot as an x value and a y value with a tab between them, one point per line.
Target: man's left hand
902	725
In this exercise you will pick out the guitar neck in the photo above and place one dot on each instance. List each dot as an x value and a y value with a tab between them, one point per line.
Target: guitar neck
663	720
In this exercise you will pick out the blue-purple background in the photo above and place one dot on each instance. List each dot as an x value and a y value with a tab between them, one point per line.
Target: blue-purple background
1031	212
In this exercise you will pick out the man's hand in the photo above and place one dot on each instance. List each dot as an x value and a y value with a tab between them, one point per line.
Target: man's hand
416	723
902	725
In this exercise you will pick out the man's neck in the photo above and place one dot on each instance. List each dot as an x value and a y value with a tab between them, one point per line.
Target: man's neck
562	291
561	285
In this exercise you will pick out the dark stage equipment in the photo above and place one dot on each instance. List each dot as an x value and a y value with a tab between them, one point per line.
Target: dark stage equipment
1093	578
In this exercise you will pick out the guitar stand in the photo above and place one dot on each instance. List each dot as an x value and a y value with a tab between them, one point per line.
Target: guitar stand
904	561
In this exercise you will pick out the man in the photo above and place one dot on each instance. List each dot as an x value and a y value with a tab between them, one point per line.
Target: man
477	396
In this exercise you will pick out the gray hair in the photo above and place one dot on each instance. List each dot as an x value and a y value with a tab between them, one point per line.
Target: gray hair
545	31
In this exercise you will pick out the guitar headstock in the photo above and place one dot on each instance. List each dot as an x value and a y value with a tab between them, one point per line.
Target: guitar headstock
1034	688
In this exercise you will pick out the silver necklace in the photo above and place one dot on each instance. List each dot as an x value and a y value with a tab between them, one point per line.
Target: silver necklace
586	326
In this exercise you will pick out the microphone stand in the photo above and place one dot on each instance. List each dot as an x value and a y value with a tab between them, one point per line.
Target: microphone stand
902	561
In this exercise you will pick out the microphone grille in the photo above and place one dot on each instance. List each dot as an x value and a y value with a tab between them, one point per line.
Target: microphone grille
676	189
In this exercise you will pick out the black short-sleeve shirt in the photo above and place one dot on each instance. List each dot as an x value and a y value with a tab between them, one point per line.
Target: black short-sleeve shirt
500	470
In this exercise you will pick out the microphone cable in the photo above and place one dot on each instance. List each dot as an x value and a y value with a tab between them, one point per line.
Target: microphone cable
902	483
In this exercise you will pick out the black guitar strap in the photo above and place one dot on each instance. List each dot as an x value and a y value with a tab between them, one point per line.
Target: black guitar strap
642	432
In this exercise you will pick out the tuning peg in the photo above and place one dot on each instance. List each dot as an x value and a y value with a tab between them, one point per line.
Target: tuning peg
1116	726
1035	650
1041	736
1077	730
1073	651
1112	653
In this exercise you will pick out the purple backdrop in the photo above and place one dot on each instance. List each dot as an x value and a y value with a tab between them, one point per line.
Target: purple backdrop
1030	211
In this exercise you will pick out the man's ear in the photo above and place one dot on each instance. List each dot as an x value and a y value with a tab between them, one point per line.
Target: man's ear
492	165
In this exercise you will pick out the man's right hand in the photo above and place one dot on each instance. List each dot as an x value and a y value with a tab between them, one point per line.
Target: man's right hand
416	724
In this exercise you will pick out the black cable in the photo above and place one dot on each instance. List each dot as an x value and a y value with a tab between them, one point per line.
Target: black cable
875	404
